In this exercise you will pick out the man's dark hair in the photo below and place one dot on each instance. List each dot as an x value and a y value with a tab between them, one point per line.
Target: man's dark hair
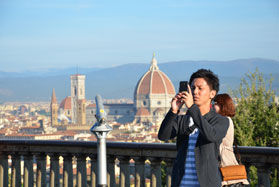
211	79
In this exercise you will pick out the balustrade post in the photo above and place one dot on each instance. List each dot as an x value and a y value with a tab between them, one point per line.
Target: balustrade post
111	171
68	171
156	178
169	163
139	171
16	170
81	171
263	176
54	170
28	171
93	170
4	176
124	171
41	170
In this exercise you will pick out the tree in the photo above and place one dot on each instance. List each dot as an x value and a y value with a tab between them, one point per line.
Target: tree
257	117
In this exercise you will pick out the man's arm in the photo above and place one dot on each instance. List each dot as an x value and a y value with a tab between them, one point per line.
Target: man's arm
214	132
169	127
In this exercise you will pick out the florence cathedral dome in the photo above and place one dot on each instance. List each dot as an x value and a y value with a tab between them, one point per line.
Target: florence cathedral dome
153	91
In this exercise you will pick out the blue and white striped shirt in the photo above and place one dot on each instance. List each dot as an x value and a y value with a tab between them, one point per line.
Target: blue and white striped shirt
190	178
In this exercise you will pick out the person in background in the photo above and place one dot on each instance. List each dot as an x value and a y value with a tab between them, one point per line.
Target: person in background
198	133
224	105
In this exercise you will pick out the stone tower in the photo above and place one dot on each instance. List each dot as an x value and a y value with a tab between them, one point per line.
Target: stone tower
78	99
153	95
54	109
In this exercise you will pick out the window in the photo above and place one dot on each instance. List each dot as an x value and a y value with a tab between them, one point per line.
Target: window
144	103
75	90
159	102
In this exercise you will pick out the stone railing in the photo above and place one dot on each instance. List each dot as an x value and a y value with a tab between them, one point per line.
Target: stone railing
73	163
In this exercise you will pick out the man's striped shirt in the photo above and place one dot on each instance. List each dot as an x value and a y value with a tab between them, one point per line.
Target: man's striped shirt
190	178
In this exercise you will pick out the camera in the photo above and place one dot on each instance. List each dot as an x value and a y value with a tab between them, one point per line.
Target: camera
183	86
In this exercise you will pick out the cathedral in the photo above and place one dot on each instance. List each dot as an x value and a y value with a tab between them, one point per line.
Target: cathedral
152	97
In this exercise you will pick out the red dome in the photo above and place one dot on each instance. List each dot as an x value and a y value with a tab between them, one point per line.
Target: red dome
66	103
154	81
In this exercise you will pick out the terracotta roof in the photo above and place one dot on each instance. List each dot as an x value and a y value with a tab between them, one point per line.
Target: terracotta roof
66	103
154	81
159	110
91	105
142	112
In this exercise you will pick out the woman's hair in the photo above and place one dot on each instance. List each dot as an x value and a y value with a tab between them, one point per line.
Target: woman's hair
225	102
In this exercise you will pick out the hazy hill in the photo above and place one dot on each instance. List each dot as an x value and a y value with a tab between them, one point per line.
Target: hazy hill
120	81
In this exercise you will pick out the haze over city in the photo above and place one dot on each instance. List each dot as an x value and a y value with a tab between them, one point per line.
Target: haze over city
37	35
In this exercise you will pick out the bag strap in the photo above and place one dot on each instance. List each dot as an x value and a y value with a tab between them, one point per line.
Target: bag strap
237	153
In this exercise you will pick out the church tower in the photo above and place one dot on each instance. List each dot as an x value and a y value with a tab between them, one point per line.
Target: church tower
54	109
78	99
153	95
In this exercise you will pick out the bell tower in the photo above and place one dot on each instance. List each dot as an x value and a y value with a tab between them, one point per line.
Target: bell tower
77	95
54	109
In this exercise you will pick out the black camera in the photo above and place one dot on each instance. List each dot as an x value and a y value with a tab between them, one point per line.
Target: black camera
183	86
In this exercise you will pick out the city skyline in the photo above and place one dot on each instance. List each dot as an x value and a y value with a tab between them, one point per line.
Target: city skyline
36	34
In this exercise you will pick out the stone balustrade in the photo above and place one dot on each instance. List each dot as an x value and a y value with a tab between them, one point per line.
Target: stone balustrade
73	163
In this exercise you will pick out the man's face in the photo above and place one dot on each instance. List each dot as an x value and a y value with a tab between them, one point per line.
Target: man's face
202	93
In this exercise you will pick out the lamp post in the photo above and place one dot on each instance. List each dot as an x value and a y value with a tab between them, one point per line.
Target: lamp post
101	129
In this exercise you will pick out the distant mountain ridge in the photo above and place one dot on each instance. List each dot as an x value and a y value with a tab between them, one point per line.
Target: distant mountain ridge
120	81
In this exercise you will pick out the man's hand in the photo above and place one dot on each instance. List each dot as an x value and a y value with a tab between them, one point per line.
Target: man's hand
187	98
176	103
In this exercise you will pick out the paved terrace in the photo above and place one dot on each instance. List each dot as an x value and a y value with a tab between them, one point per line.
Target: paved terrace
25	163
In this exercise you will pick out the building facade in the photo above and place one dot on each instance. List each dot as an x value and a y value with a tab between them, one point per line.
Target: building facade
152	97
78	99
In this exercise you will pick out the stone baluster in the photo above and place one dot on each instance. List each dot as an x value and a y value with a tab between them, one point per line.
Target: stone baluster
169	163
54	170
93	170
139	171
156	179
28	171
4	170
41	170
111	171
68	171
263	175
16	170
124	171
81	171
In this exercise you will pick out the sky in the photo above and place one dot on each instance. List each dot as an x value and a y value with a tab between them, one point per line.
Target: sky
40	34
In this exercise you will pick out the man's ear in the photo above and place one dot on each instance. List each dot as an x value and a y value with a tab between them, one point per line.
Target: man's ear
212	94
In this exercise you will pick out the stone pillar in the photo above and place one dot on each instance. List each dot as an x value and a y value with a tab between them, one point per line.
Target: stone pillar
54	171
139	171
81	171
28	171
156	178
169	163
16	170
93	170
111	171
4	170
263	176
124	171
41	171
68	171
